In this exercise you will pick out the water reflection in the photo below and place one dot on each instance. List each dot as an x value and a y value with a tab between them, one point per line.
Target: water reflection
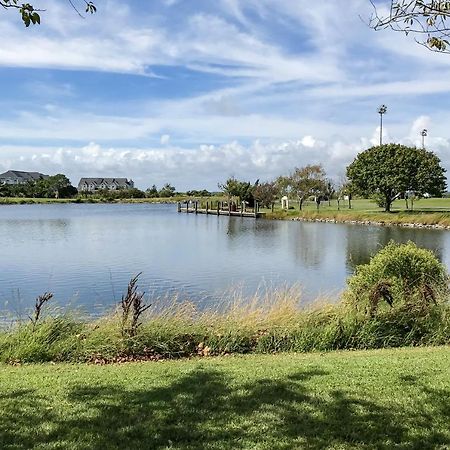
363	242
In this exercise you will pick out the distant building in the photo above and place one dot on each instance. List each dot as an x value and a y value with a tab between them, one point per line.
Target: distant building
110	184
20	177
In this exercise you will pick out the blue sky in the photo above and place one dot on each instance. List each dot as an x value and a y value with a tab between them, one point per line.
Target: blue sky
193	91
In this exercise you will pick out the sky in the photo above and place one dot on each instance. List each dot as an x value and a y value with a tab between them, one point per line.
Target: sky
192	92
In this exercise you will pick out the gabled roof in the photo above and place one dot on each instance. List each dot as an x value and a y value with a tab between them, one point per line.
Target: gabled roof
22	175
108	181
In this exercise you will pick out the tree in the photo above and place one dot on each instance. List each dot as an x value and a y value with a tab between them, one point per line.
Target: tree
304	182
330	190
344	189
166	191
387	171
53	186
152	192
265	194
425	20
30	14
243	190
198	193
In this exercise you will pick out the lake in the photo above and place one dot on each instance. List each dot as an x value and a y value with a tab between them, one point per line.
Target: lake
86	253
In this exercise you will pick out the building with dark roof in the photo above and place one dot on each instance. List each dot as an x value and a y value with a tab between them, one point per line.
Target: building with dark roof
110	184
20	177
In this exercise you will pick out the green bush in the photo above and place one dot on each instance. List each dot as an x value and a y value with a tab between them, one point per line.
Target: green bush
399	275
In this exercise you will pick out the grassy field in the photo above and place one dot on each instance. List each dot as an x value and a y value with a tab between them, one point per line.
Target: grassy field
433	211
379	399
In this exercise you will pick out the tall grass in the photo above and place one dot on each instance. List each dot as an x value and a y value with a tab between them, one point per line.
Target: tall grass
273	321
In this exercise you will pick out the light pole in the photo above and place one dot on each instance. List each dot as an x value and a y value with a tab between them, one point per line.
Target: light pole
424	135
381	110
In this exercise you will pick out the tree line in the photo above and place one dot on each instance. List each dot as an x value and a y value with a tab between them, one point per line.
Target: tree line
59	186
55	186
382	173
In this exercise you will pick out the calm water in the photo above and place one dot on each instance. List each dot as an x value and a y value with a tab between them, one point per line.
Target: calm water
86	254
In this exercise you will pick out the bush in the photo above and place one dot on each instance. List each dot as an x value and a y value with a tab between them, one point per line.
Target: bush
399	275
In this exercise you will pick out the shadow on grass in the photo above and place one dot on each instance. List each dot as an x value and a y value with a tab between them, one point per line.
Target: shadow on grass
207	409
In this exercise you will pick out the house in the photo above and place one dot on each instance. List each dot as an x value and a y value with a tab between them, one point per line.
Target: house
110	184
20	177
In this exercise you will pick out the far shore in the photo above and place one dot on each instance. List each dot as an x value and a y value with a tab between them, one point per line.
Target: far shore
427	213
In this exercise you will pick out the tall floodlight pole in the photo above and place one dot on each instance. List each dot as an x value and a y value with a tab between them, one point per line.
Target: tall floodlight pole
381	110
424	135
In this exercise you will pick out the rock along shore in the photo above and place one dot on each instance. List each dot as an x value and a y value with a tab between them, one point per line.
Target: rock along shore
380	223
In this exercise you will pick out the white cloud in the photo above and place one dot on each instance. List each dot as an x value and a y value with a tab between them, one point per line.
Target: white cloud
203	166
278	84
308	141
165	138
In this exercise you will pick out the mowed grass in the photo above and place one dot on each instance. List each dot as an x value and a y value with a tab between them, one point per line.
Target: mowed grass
379	399
429	211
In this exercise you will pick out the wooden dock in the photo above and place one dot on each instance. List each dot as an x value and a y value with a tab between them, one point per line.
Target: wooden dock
220	210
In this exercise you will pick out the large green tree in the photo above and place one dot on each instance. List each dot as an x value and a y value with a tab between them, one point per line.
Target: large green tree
31	14
387	171
425	20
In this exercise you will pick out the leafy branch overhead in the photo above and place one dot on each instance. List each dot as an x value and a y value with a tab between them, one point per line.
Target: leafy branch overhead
425	20
30	14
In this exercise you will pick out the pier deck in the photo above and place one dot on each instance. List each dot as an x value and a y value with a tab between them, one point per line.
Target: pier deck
220	212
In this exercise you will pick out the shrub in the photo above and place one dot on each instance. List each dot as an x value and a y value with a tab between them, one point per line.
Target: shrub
400	275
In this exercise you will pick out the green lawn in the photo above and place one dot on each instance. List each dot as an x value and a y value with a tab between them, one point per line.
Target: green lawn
367	205
373	399
431	211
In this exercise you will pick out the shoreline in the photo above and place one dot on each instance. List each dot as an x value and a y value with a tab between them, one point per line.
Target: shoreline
431	220
380	223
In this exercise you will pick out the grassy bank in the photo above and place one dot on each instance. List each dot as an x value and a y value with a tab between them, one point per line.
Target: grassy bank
426	211
347	400
31	201
276	324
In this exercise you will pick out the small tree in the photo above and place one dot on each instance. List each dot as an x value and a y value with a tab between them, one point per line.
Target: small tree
387	171
266	194
152	192
167	191
330	190
243	190
306	181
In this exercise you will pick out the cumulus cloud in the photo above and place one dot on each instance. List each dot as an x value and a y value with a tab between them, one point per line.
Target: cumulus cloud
245	87
203	166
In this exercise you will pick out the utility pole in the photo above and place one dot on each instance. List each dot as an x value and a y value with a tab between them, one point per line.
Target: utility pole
424	135
381	110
